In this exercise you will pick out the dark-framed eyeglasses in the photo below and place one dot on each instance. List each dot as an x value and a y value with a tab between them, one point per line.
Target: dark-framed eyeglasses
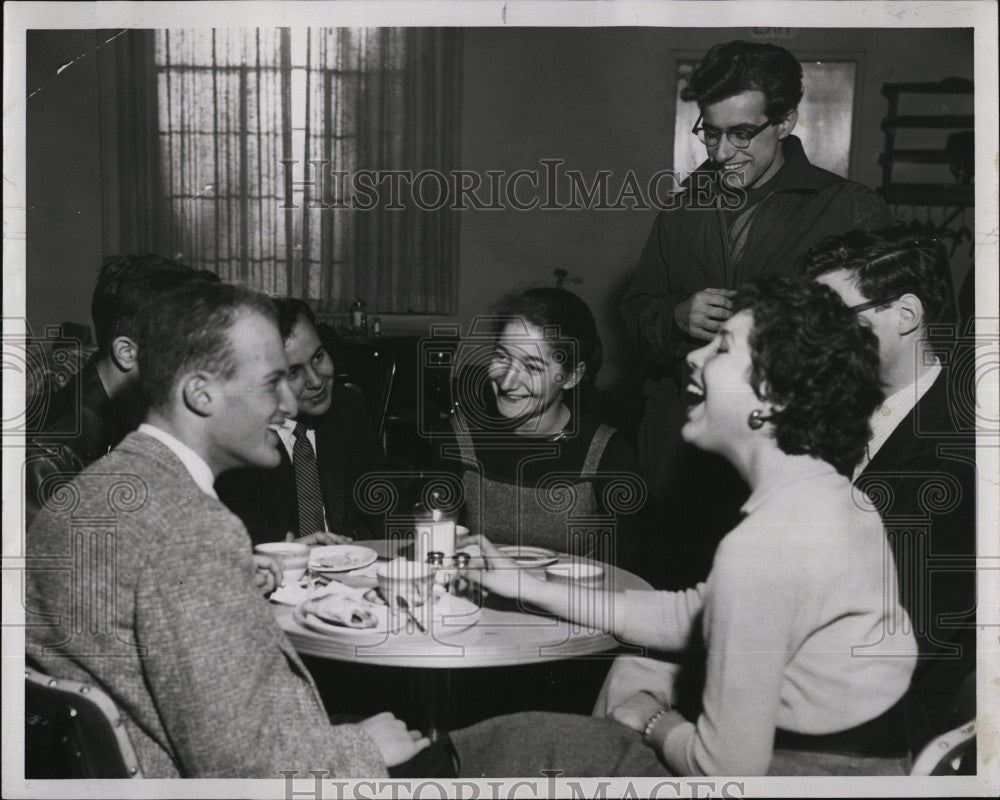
885	301
738	137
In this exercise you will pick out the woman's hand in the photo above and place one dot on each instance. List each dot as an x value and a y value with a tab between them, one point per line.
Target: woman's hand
635	711
396	744
320	537
497	572
268	575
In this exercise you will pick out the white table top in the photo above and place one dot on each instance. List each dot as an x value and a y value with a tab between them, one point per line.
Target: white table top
503	636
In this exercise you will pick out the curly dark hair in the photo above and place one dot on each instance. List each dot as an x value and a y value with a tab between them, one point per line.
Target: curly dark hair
817	363
731	68
888	263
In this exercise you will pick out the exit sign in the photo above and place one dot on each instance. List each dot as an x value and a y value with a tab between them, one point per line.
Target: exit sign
774	33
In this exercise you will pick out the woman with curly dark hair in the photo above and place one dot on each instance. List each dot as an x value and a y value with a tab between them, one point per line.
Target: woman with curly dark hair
808	651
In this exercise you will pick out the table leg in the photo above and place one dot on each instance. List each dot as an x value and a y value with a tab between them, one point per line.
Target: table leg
433	702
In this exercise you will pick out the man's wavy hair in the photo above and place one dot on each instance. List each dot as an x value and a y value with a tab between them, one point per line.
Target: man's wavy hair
289	310
126	284
188	329
817	363
732	68
888	263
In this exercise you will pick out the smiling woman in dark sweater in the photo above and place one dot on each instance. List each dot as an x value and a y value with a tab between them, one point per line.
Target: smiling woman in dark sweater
536	468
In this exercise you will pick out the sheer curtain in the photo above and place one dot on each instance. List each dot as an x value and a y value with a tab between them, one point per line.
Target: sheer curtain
252	118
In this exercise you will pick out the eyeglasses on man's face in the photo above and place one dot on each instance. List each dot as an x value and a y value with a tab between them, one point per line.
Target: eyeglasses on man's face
739	137
885	301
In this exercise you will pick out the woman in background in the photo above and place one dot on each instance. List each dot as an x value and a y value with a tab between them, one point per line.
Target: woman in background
530	457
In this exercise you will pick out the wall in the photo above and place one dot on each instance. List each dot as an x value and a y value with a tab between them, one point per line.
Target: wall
66	193
602	99
598	98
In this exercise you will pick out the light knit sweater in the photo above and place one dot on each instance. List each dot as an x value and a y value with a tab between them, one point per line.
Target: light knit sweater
801	620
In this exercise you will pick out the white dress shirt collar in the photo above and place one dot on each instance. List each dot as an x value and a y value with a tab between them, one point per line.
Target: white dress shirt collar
287	435
200	472
893	411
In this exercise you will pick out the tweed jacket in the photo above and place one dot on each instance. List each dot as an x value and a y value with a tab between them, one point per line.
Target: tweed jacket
141	584
347	447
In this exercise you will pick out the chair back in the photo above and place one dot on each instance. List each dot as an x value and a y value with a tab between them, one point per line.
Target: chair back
951	753
371	370
73	730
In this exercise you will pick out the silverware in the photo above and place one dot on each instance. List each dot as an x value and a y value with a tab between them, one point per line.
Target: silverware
401	602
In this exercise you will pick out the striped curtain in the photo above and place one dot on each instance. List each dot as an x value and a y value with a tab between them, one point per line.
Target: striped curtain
254	127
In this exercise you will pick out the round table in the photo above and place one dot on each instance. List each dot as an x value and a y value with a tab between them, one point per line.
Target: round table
505	634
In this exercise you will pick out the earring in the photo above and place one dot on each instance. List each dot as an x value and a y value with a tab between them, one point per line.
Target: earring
757	419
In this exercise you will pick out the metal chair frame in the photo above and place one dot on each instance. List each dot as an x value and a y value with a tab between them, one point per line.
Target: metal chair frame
945	754
90	733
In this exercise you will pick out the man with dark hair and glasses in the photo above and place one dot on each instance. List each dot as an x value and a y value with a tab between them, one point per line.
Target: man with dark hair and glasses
919	468
751	209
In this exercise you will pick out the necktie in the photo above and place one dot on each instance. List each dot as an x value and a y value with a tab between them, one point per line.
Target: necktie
307	483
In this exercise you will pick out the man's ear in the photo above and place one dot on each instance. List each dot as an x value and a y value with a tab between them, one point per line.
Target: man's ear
910	312
197	391
125	353
787	125
574	377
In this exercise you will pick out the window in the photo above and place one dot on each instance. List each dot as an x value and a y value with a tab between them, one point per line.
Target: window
243	112
826	114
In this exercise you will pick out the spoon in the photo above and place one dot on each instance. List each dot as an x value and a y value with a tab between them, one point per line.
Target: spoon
401	601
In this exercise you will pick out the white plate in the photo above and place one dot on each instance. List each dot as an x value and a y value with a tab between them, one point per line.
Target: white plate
386	623
451	614
529	557
332	558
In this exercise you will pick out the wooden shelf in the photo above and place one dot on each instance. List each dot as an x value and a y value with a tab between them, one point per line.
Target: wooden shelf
952	121
947	86
914	157
934	194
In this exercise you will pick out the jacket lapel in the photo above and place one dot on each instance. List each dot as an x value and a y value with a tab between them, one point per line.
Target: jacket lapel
904	444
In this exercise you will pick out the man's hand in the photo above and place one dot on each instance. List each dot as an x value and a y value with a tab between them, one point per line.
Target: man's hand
268	574
320	537
635	712
703	313
396	744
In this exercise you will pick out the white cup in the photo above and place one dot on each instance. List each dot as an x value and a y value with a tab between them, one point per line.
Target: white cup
411	580
292	556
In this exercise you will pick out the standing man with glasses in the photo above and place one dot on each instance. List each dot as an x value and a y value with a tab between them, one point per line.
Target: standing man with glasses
750	210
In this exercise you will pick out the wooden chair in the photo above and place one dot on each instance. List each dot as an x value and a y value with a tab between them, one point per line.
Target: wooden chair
73	730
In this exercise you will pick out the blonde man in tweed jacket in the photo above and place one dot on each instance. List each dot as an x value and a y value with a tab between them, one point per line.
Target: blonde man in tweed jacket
140	581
